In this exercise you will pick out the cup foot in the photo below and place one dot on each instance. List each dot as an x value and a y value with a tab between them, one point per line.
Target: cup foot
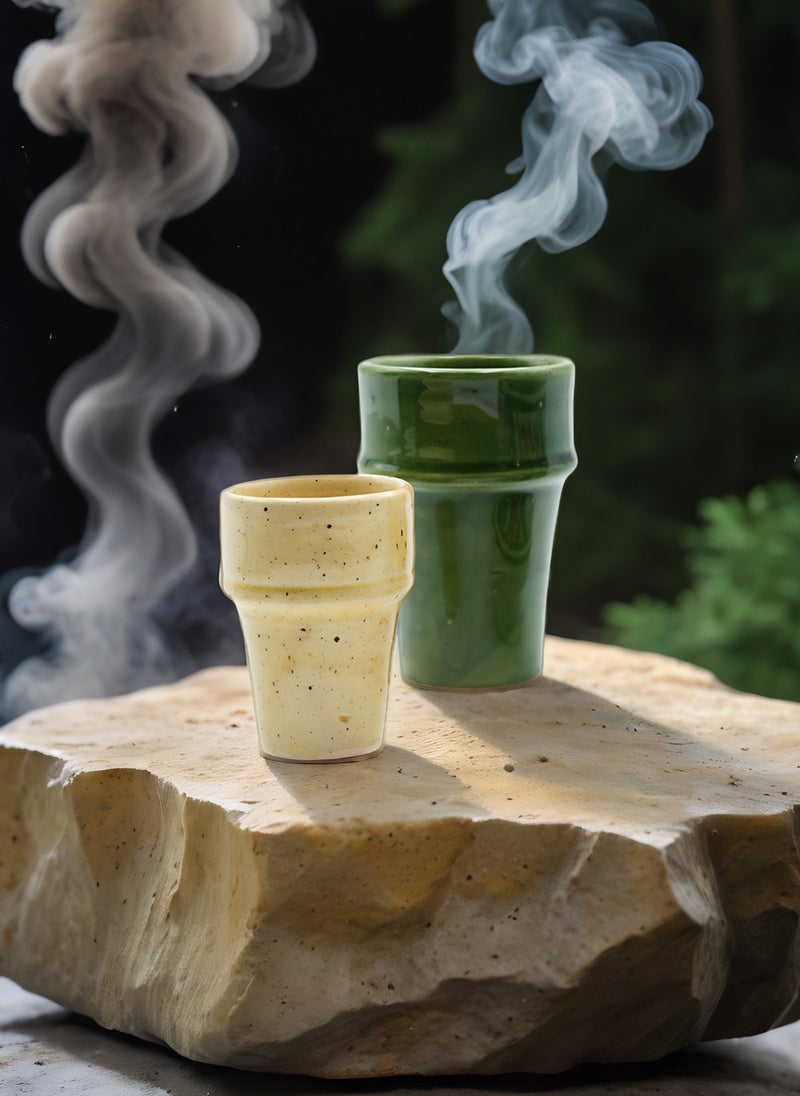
470	688
322	760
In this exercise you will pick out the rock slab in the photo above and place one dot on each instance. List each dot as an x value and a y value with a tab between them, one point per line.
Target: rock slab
601	867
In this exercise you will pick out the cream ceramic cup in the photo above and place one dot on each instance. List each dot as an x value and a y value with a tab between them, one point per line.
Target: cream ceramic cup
317	567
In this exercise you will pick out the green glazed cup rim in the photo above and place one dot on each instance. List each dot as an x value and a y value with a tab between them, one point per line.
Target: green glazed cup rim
468	365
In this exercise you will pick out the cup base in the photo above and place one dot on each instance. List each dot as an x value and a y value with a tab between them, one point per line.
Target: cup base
470	688
322	760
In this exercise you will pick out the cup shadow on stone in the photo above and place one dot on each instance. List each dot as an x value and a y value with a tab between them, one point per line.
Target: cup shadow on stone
326	791
677	764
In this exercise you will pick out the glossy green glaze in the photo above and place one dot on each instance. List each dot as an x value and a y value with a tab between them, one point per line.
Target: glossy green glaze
487	444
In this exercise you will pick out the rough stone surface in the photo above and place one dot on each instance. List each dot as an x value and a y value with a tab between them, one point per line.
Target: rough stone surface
601	867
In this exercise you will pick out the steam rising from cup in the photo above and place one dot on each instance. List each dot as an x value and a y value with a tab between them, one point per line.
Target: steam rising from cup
608	93
125	73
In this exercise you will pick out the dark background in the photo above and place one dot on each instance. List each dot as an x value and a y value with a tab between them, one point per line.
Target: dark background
307	163
682	315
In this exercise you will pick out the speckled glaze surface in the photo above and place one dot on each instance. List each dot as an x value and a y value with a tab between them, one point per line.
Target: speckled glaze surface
487	443
317	567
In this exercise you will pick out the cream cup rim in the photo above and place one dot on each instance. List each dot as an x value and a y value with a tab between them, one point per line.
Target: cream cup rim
387	486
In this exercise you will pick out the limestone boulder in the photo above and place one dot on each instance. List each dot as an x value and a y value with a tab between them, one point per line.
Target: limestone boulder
600	867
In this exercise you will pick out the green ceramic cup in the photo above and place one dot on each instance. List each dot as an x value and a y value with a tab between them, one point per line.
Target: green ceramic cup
487	443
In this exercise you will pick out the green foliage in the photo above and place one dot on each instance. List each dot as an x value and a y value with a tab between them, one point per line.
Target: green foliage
740	616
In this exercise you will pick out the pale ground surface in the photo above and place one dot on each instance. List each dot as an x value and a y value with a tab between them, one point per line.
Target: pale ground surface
47	1051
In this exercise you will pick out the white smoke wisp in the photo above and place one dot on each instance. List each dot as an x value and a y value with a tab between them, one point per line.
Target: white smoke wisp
608	93
125	73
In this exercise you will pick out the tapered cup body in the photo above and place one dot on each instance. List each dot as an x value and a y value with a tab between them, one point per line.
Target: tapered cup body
317	567
487	442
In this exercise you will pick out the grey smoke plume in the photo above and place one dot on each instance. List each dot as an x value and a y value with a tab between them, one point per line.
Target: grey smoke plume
125	73
608	94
